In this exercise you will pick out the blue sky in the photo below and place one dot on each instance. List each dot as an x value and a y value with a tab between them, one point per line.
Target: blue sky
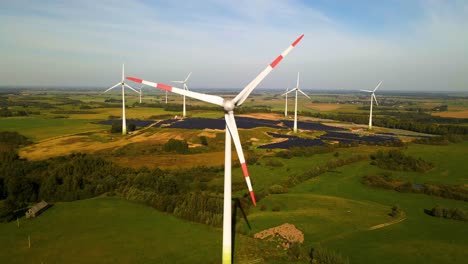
410	44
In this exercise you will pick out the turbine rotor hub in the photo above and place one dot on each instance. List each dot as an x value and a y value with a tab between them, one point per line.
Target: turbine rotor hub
228	105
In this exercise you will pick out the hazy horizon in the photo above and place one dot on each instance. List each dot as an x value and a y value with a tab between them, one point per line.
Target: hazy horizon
414	46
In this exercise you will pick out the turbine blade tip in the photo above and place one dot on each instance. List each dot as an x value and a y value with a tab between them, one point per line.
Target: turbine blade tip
252	196
297	40
133	79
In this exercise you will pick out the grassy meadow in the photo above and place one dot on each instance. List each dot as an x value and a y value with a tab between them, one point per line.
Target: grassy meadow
334	210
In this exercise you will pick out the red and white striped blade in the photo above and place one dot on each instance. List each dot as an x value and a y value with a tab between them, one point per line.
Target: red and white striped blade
231	124
117	84
242	96
213	99
129	87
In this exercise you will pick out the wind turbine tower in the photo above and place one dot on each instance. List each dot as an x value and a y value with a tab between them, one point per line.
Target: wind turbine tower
296	89
123	84
185	87
286	102
372	99
228	106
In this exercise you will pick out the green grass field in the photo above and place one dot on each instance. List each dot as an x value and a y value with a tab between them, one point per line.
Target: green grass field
108	230
334	210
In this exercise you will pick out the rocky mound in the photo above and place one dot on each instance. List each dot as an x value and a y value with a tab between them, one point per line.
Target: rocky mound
286	234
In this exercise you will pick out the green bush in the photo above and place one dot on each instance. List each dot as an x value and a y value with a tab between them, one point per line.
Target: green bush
277	189
320	255
116	128
274	163
276	208
175	145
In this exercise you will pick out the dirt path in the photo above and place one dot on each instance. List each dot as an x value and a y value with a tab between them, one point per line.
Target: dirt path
396	221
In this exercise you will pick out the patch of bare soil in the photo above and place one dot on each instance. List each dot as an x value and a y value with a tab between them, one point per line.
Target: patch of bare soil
285	234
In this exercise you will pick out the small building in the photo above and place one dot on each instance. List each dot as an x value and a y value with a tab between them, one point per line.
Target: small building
37	209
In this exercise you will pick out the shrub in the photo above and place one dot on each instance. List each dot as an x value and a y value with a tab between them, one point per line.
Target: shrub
263	207
274	163
116	128
323	256
175	145
131	127
203	141
276	208
277	189
396	211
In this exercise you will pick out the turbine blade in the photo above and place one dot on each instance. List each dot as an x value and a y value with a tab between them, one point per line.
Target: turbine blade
129	87
366	91
290	91
242	96
213	99
112	87
375	99
377	87
304	94
177	81
231	124
188	76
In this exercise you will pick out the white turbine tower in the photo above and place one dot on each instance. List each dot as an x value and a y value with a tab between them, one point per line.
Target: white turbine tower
296	89
372	99
286	102
124	122
185	87
231	131
141	91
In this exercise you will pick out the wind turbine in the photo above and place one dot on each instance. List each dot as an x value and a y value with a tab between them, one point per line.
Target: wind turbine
286	102
141	91
371	101
185	87
296	89
228	106
124	122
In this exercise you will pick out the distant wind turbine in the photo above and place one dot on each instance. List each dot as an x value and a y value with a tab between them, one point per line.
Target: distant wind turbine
286	102
228	106
185	87
296	89
141	91
123	84
371	101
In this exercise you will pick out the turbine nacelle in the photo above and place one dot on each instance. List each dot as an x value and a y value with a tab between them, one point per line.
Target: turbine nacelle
229	105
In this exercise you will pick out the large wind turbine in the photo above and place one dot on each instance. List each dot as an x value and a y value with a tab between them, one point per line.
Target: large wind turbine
371	101
185	87
296	89
231	131
124	122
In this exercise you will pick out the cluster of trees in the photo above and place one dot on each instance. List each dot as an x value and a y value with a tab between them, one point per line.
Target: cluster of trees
449	213
418	122
386	182
395	159
80	176
177	146
6	112
117	127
